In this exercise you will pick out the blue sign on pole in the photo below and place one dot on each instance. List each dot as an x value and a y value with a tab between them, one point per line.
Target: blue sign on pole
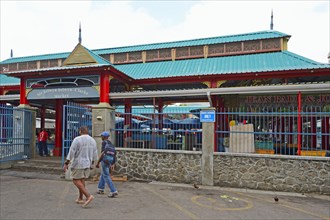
207	116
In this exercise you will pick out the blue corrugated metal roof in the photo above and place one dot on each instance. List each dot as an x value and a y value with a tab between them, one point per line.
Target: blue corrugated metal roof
8	81
37	57
195	42
262	62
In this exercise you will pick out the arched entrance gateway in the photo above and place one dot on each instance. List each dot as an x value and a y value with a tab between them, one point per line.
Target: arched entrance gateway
82	78
245	71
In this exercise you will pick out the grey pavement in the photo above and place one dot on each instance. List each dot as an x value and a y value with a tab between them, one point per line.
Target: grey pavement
32	195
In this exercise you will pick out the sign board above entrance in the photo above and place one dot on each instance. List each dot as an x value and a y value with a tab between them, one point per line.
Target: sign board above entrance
63	93
317	99
207	116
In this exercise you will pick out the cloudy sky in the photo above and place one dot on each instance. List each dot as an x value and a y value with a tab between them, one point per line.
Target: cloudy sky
43	27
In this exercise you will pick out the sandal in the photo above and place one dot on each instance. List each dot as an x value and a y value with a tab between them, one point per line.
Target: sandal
90	198
79	201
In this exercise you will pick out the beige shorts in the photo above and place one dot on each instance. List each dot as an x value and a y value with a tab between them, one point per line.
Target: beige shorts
80	173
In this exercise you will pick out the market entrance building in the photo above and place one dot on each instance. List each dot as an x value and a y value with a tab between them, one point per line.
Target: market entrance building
228	71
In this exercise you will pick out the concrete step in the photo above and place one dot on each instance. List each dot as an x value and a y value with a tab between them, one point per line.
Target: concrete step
50	166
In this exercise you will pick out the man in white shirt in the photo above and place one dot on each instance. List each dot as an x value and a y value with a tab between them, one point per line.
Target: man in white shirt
83	152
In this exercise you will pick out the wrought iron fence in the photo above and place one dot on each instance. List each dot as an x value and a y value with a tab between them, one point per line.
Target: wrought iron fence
174	129
272	130
15	133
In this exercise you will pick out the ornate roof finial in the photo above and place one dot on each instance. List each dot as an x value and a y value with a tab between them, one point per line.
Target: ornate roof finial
79	39
11	53
271	21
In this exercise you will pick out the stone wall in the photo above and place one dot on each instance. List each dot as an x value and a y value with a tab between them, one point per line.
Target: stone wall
272	172
252	171
160	165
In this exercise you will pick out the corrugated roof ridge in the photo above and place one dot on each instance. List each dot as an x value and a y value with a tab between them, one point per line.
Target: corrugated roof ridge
295	62
305	59
197	39
41	55
99	51
97	56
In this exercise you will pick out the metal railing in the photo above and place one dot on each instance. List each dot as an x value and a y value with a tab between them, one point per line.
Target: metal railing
15	133
264	130
172	130
74	116
274	130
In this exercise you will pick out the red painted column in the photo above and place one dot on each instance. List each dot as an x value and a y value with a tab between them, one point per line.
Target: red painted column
4	121
223	122
104	88
128	118
299	123
325	123
2	92
23	99
58	127
215	101
283	130
214	84
313	130
290	120
160	115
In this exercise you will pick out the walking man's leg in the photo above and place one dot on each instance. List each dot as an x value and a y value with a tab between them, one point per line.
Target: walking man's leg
101	185
107	179
80	199
80	184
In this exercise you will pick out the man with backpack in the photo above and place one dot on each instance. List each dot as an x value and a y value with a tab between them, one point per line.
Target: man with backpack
107	160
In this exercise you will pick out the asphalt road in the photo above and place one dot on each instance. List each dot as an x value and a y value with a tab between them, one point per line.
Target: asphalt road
41	196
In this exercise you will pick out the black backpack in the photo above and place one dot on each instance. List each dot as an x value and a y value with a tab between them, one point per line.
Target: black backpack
109	153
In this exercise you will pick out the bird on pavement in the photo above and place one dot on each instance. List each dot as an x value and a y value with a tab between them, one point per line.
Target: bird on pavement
276	198
195	186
